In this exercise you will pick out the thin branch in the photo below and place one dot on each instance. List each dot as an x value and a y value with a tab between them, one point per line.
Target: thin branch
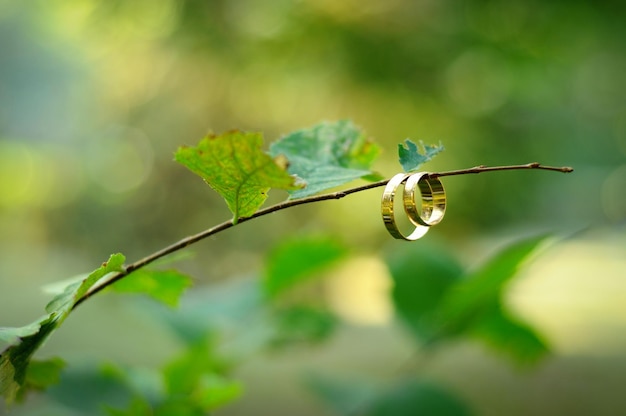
187	241
483	168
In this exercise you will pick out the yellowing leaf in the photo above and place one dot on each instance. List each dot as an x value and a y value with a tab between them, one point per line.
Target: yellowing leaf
234	165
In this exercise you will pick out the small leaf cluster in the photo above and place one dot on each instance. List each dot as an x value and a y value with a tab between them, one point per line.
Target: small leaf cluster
195	382
24	341
304	162
19	373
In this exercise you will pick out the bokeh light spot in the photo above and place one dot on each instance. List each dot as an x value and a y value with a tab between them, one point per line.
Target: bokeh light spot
359	292
16	174
121	160
477	83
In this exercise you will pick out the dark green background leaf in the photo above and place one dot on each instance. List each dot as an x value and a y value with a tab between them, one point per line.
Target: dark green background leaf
196	380
484	287
344	396
43	373
421	276
511	336
438	301
405	398
88	388
294	260
416	397
163	285
302	324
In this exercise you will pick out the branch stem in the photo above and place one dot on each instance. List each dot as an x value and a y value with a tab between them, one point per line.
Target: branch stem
187	241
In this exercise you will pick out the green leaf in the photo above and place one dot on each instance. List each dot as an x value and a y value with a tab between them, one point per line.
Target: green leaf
137	407
437	300
166	286
63	303
344	396
326	155
484	287
12	335
43	373
234	165
178	407
91	389
293	261
24	341
215	391
413	156
15	359
475	305
408	397
183	374
511	336
416	397
303	324
422	275
195	382
138	387
143	382
224	307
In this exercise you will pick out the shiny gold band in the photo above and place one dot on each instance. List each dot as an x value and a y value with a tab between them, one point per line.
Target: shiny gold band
388	212
433	199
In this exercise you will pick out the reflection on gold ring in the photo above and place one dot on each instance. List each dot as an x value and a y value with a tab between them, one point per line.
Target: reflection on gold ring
387	211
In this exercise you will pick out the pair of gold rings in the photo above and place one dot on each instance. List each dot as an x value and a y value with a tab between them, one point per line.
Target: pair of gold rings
433	205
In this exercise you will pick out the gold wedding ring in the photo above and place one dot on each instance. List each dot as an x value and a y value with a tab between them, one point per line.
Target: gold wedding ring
433	203
433	199
387	210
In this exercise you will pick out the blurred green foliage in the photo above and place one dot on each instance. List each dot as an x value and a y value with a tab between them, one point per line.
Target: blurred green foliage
22	343
294	259
90	85
438	300
196	382
95	95
166	286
